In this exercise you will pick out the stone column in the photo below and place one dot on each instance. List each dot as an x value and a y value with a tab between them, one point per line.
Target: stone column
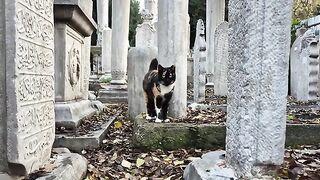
104	36
106	51
199	60
259	43
27	85
102	16
215	16
120	34
172	48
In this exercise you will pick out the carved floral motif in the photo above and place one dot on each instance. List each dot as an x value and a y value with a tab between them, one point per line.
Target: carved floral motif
74	66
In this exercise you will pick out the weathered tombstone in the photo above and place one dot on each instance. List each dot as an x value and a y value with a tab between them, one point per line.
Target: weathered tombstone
214	16
221	59
304	64
259	44
139	59
73	28
199	61
172	48
27	84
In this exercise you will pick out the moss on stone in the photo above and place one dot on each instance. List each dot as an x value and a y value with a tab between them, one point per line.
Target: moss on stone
170	136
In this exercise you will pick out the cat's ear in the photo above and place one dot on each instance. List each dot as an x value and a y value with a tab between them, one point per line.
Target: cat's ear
160	68
173	68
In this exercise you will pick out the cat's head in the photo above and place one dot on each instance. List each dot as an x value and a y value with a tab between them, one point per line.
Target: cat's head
167	75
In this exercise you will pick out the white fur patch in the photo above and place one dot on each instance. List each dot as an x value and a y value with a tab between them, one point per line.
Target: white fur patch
157	110
166	89
150	118
158	120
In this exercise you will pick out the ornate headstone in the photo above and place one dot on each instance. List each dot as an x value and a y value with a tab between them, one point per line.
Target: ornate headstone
146	35
259	44
27	90
221	59
199	61
305	66
72	39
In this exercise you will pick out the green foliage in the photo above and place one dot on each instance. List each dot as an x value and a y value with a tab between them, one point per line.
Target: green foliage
135	19
303	9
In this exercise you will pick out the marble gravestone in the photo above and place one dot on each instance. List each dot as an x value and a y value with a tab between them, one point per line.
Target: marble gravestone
27	85
199	61
73	28
304	63
221	59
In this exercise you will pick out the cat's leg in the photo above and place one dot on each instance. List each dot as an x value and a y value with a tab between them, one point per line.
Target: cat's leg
159	101
165	106
151	110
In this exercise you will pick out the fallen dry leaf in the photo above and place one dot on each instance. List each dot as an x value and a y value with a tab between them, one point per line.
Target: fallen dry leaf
139	162
126	164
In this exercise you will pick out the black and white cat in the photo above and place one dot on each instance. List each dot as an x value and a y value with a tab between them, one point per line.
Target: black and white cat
158	85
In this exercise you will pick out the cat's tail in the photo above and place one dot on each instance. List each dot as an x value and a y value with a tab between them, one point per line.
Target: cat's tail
153	64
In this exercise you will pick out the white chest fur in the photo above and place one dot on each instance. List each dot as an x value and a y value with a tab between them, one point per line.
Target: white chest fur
166	89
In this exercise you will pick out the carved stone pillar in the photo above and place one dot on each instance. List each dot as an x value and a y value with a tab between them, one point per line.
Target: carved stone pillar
103	17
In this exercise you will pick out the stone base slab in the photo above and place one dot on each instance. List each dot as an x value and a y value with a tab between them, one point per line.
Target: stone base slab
113	94
68	166
79	143
171	136
69	115
210	166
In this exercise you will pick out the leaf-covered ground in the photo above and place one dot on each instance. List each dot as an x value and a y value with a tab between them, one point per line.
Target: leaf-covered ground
117	159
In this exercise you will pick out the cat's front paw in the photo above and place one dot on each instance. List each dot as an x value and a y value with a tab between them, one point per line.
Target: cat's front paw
149	118
158	120
167	120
